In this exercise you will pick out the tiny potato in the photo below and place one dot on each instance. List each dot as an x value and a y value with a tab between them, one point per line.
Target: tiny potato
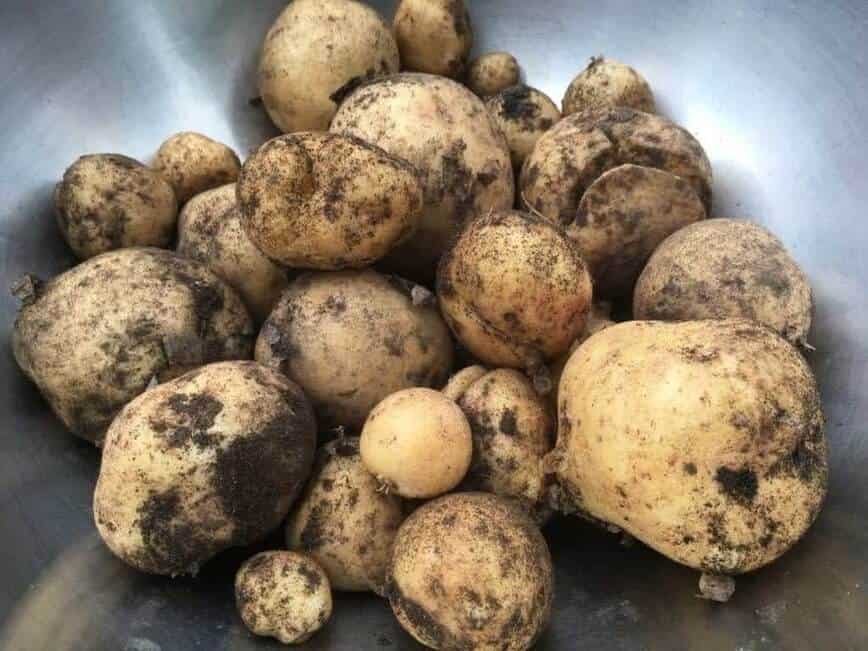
608	84
492	73
193	163
433	36
417	443
109	201
523	114
461	381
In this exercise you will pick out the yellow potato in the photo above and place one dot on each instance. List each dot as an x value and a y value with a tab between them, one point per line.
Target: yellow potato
492	73
433	36
608	84
193	163
524	114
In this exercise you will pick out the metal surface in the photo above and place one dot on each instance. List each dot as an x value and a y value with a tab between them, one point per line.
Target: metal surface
776	91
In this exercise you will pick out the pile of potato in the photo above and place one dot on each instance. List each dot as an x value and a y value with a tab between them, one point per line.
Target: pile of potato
412	432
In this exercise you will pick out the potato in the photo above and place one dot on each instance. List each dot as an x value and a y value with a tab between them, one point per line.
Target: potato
623	216
283	595
442	129
109	201
492	73
523	114
94	337
726	268
417	443
711	447
462	380
327	201
433	36
569	157
471	571
208	461
193	163
209	230
514	289
314	52
344	521
608	84
352	338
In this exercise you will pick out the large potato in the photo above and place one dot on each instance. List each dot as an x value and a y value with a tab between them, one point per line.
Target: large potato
210	460
726	268
94	337
327	201
209	230
608	84
352	338
710	448
442	129
433	36
314	52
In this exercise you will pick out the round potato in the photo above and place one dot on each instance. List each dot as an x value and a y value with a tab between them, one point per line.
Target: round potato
623	216
569	157
444	131
314	52
608	84
492	73
344	521
327	201
471	571
283	595
711	450
514	289
209	230
96	336
433	36
523	114
724	268
193	163
109	201
208	461
352	338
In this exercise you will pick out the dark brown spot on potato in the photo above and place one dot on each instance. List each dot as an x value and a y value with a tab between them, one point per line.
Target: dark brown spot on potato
740	485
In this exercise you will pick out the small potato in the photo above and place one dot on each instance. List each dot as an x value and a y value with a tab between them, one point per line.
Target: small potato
523	114
344	521
95	337
623	216
209	230
327	201
283	595
193	163
461	381
492	73
210	460
710	447
608	84
433	36
724	268
314	52
514	290
417	443
109	201
352	338
471	571
573	154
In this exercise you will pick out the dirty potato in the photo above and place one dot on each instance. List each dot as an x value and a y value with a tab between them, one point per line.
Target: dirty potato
608	84
109	201
461	381
434	36
492	73
523	114
193	163
208	461
726	268
96	336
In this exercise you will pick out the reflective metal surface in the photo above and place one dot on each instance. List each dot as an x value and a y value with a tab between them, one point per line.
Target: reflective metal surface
776	91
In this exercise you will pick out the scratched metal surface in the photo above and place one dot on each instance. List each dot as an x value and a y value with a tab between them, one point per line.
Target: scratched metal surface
776	91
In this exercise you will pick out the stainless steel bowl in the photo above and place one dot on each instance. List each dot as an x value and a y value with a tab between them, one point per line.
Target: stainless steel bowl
777	92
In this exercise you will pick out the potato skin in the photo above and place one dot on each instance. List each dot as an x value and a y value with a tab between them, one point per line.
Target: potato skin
351	338
726	268
210	460
193	163
462	380
514	289
94	337
523	114
344	521
492	73
569	157
471	571
109	201
444	131
313	52
713	452
608	84
209	230
327	201
433	36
